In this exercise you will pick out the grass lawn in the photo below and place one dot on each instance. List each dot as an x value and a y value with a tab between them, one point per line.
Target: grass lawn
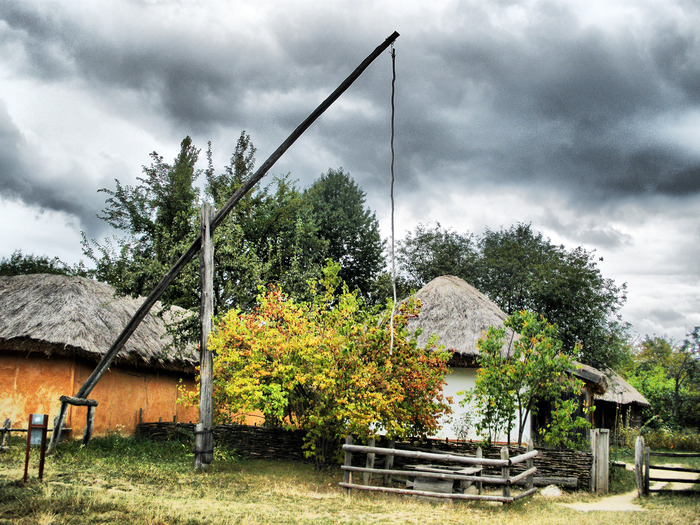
118	480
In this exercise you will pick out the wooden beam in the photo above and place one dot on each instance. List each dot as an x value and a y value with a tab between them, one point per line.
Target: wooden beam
186	257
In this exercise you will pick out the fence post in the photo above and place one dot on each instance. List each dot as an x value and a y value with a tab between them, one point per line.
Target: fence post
639	465
505	472
347	475
369	463
389	463
479	484
600	447
647	461
530	480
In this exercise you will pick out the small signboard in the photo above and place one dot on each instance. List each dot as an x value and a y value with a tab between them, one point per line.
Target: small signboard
36	436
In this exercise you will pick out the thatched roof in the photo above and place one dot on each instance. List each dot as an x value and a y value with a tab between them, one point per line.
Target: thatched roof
56	314
620	391
459	314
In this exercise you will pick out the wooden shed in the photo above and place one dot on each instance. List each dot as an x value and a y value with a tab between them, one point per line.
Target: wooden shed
54	329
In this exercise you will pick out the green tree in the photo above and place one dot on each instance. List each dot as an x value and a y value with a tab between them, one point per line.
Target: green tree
349	227
668	375
20	264
325	366
428	253
157	220
518	268
511	383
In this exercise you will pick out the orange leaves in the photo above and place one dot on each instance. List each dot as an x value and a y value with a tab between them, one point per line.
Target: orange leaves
326	365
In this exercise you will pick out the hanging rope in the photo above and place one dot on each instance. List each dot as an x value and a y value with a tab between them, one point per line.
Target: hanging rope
393	262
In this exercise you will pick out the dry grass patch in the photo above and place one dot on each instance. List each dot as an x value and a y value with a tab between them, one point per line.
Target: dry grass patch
127	481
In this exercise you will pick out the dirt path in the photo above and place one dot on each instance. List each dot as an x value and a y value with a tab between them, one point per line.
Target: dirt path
625	502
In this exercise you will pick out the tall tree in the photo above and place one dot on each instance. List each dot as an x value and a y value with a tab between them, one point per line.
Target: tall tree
349	227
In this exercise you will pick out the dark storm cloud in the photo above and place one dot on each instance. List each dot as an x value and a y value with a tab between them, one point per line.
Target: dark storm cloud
553	100
24	177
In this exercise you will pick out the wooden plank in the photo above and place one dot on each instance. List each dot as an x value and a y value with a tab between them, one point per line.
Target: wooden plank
675	469
676	454
674	480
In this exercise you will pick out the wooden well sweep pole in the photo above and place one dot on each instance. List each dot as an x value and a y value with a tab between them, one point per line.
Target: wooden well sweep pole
186	257
204	442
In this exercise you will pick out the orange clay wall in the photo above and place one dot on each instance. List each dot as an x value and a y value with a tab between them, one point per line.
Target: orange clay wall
33	384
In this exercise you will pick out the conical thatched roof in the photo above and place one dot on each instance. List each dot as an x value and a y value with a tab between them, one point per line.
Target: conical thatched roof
459	314
56	314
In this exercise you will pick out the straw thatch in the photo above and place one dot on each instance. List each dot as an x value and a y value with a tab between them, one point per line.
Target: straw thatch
56	314
459	314
620	391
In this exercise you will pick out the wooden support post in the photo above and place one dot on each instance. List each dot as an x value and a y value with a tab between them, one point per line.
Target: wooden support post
205	445
639	465
505	472
5	430
89	425
59	423
369	462
389	463
529	484
347	475
479	484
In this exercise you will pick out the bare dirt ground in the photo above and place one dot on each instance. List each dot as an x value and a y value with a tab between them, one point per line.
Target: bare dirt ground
626	502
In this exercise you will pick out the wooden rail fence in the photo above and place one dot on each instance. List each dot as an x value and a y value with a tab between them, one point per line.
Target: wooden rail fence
446	476
642	466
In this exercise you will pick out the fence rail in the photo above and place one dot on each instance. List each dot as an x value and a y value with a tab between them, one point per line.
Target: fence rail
450	477
643	466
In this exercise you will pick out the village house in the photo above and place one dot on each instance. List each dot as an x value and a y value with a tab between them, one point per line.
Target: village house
54	330
460	315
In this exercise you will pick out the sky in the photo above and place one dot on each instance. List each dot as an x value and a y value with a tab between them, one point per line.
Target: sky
581	118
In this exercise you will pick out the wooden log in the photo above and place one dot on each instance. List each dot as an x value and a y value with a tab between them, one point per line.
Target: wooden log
78	401
410	492
479	484
524	494
522	458
89	425
525	474
203	456
431	456
505	472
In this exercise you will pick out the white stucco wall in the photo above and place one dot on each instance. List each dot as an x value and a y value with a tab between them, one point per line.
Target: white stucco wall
459	379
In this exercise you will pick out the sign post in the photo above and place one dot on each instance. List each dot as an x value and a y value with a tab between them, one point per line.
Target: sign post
36	435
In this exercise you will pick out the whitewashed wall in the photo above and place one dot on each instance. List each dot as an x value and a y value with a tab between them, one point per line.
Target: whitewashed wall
459	379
